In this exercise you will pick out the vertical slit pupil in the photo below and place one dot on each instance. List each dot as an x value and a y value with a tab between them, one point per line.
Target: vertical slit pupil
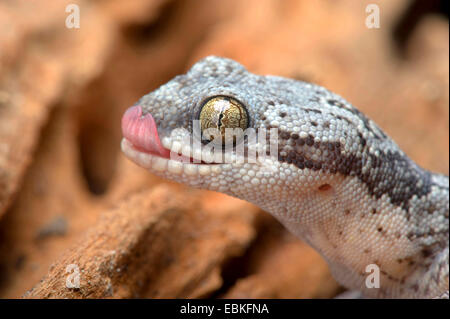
220	120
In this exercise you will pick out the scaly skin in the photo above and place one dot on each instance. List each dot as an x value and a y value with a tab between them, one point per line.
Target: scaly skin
337	181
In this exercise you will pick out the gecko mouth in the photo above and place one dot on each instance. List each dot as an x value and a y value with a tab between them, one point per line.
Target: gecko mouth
141	143
141	132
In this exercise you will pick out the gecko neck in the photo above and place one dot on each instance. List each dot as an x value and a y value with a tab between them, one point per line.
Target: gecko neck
352	233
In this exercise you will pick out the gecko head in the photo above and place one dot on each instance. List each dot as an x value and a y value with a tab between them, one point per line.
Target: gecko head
215	127
198	128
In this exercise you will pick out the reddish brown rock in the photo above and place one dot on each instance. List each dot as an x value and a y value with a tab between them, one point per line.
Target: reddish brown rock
53	189
278	265
36	65
159	243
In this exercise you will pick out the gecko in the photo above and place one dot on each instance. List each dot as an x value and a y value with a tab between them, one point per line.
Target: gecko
308	157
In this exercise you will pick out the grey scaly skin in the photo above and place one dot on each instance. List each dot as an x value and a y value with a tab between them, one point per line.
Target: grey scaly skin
338	182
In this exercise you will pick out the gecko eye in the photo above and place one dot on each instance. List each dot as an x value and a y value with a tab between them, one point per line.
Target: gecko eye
223	119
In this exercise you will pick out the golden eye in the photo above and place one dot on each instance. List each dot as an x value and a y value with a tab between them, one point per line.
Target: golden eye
223	118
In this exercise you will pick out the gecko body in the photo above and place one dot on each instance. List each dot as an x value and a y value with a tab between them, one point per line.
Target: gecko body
333	178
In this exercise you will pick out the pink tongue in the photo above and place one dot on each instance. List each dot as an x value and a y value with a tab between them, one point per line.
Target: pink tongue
141	131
